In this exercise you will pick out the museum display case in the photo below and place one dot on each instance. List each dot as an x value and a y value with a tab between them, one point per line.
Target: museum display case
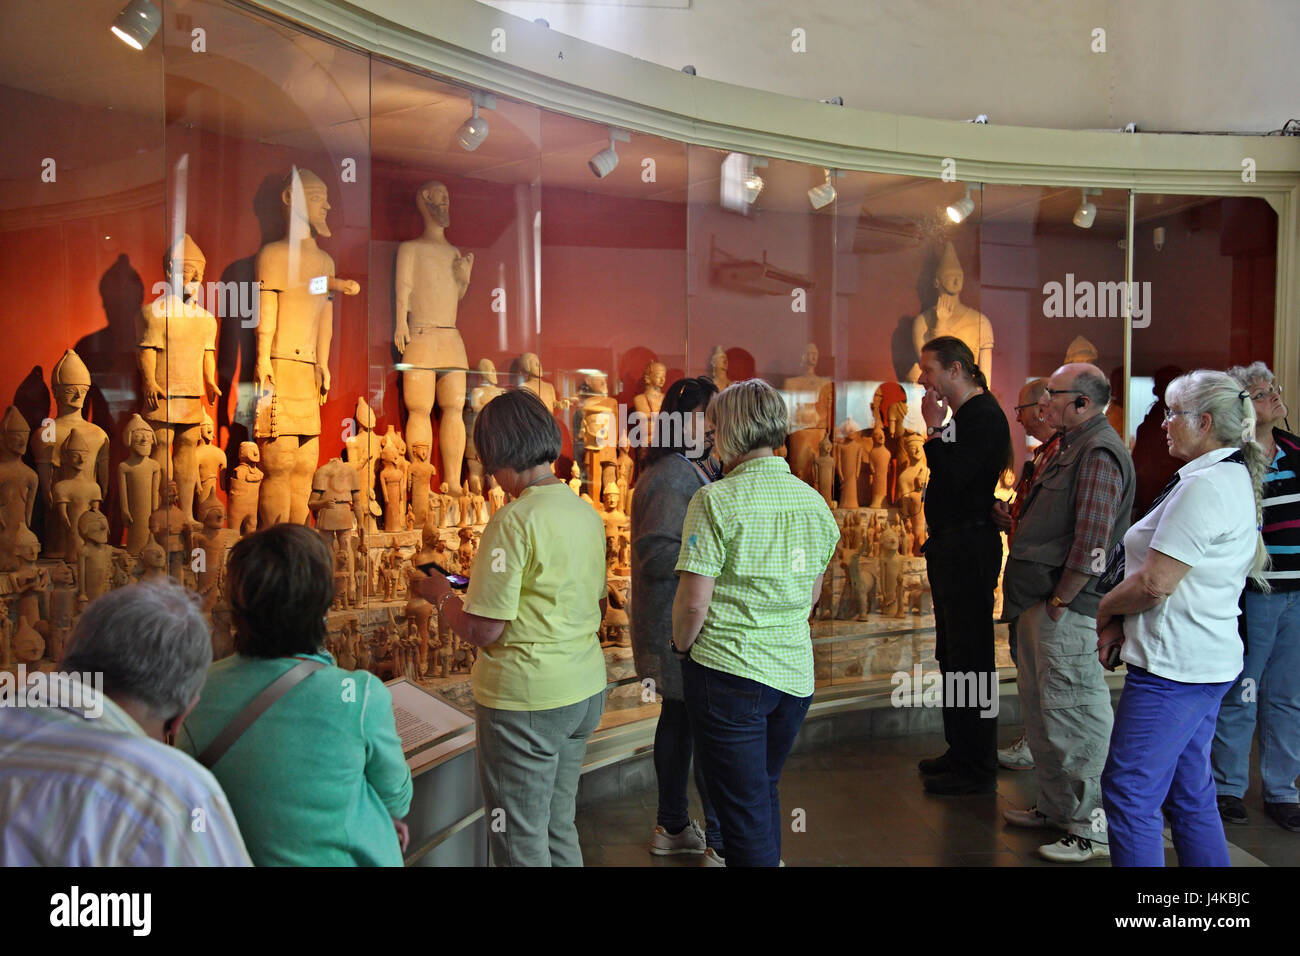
260	274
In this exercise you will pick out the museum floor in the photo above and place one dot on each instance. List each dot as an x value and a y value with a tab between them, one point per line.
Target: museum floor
865	807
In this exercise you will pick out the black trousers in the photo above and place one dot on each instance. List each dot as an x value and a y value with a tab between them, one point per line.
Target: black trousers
963	568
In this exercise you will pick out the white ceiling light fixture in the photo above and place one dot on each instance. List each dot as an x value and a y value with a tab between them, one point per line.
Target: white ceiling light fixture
137	24
962	208
1087	212
474	130
823	195
753	183
604	162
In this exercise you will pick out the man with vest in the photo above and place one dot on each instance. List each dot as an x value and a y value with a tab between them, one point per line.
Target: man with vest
1074	512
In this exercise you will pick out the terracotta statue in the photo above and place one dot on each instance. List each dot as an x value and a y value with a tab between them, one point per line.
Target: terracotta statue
912	481
616	525
484	392
29	580
465	553
718	367
432	277
213	542
824	469
6	636
599	432
363	452
497	497
393	480
294	333
70	383
813	397
28	645
139	483
651	397
95	563
212	462
891	567
336	503
468	510
859	586
419	483
848	465
74	494
879	460
245	487
530	368
949	316
575	479
420	612
176	340
168	525
18	484
450	507
153	561
477	504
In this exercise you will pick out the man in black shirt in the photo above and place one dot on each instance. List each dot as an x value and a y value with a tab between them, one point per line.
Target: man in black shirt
963	557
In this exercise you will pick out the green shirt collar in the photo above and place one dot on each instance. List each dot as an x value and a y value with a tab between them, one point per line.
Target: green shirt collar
771	463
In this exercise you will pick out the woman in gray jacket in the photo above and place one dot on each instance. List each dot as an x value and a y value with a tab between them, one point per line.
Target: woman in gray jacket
672	471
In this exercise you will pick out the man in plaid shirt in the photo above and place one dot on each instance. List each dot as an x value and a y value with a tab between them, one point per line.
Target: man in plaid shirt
1075	510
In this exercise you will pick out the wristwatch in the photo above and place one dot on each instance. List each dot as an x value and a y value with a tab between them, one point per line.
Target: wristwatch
673	647
1057	602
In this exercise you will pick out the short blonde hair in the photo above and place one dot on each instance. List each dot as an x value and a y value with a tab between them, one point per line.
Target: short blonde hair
745	416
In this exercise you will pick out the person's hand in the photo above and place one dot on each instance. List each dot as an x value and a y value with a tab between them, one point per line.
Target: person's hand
1103	620
933	408
403	834
1054	614
432	587
1109	638
1001	515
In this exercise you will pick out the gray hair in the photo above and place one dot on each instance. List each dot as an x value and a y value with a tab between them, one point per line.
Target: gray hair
1248	375
1232	423
745	416
149	640
1093	384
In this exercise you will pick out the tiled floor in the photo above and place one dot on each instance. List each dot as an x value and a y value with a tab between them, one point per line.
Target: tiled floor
863	806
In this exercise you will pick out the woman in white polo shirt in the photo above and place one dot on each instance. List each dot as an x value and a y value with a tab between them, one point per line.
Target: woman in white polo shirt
1175	615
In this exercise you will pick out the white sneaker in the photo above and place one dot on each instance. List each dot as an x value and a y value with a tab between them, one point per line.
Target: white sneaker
1030	819
1017	756
690	840
711	858
1074	849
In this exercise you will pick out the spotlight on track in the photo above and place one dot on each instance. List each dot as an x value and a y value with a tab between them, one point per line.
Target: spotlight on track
824	194
1087	212
962	208
474	130
137	24
604	162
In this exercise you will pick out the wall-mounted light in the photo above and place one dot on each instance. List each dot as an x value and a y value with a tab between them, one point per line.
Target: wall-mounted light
1158	237
137	24
603	163
962	208
474	130
824	194
1087	212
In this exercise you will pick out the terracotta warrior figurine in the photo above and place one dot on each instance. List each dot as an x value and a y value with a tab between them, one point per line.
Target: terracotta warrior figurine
814	398
18	484
599	431
651	397
95	563
29	581
848	465
214	541
432	277
484	392
212	463
139	483
176	340
824	468
294	333
168	525
393	480
70	383
75	494
363	453
879	460
419	482
336	503
950	316
245	487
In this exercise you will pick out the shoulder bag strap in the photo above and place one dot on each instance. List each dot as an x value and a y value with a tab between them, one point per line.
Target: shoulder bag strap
256	707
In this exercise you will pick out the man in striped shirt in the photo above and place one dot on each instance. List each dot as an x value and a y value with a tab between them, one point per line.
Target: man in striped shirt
87	778
1269	686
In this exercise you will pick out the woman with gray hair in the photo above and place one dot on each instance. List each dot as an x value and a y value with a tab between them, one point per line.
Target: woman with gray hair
1173	621
534	605
754	548
1271	672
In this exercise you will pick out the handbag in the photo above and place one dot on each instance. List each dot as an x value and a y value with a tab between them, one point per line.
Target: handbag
254	709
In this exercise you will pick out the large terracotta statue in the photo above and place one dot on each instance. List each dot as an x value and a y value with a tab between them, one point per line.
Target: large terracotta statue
245	488
74	494
848	465
484	392
651	397
718	367
18	484
139	483
950	316
176	341
432	277
294	332
70	383
813	396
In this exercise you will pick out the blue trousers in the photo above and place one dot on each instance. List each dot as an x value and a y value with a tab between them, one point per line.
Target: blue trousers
1268	688
744	730
1160	758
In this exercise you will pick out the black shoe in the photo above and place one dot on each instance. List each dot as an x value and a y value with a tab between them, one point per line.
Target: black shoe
933	765
1231	809
954	784
1286	815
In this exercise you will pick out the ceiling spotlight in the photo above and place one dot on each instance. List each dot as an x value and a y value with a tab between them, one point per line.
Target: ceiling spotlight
603	163
688	68
474	130
542	22
962	208
982	119
1087	212
1130	127
833	101
753	183
137	23
822	195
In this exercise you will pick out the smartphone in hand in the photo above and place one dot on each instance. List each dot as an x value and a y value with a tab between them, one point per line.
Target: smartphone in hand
458	582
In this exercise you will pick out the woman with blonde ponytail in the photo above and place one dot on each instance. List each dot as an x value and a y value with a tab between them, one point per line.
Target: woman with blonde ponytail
1269	683
1173	621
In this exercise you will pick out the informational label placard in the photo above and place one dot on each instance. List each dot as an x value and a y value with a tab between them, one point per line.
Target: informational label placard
423	719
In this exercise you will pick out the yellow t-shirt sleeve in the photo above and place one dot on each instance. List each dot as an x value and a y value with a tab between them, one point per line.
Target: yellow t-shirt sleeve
497	573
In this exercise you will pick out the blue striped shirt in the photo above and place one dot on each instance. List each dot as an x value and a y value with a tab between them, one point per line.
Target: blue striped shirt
86	791
1281	500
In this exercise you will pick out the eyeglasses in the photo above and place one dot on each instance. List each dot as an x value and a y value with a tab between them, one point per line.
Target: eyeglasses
1171	413
1265	393
1021	408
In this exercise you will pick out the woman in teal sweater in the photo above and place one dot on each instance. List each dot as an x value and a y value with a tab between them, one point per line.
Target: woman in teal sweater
319	779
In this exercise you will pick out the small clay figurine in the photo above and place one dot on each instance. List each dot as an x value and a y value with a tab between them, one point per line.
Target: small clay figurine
419	483
167	525
450	507
363	451
879	459
139	481
75	494
824	469
651	398
212	462
153	561
848	465
212	543
497	496
95	563
29	580
388	577
393	480
245	482
18	484
575	479
28	645
6	635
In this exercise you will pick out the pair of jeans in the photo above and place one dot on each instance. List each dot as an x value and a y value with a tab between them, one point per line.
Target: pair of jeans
529	762
673	751
1160	757
744	730
963	572
1268	688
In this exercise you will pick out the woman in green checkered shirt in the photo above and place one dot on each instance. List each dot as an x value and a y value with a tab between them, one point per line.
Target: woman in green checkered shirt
754	548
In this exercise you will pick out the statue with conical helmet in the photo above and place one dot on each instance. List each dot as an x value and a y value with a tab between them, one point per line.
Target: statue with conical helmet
18	484
950	316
